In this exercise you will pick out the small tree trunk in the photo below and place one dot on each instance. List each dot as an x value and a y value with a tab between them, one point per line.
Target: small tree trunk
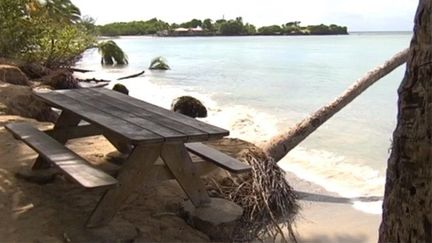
280	145
407	207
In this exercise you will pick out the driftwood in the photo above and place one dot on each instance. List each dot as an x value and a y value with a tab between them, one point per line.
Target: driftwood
99	85
280	145
80	70
132	76
91	80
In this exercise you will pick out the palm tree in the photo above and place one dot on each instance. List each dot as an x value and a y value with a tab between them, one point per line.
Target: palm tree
62	11
159	63
280	145
407	207
111	53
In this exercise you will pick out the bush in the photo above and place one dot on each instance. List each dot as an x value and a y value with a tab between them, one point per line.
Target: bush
49	33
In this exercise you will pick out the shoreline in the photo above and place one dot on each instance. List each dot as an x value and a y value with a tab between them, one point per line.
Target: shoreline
327	217
218	113
214	35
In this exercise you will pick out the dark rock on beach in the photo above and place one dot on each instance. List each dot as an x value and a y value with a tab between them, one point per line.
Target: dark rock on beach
18	100
121	88
189	106
13	75
34	71
61	79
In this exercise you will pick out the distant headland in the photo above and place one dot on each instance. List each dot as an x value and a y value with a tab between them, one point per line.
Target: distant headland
220	27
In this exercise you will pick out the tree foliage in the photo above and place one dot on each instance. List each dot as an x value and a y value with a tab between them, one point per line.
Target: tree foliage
111	53
270	30
148	27
219	27
49	32
294	28
326	30
192	24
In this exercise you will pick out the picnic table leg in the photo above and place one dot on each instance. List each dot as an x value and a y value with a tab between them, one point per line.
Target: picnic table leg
118	143
133	174
181	166
66	119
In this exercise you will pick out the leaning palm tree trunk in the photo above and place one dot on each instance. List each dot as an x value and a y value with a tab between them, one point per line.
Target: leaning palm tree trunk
280	145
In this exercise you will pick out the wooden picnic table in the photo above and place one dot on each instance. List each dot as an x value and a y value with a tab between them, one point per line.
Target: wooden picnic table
131	125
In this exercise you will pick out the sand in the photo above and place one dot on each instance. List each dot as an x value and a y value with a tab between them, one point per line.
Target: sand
56	212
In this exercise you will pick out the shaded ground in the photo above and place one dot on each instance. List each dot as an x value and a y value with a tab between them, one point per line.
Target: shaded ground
56	212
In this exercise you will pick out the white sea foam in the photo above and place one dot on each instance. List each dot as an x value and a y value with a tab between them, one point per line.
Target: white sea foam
336	174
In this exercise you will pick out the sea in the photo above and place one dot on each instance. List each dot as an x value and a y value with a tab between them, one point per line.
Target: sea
261	86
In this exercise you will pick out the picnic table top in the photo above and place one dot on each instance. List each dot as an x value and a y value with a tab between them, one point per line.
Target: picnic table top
131	118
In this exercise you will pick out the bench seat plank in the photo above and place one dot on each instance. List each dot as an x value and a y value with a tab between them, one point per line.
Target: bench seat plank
68	161
217	157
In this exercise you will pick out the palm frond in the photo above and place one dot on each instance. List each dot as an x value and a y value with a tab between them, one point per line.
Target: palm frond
111	53
158	63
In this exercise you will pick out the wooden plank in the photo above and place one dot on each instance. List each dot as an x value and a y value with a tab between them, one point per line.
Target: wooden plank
161	171
122	111
76	132
133	174
180	164
156	121
69	162
213	131
217	157
65	120
119	143
121	127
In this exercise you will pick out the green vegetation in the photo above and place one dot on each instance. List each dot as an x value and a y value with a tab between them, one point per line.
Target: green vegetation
219	27
148	27
111	53
49	32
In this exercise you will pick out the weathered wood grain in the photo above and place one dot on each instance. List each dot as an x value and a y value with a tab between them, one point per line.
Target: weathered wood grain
133	174
69	162
189	132
218	158
180	164
65	120
121	110
213	131
94	115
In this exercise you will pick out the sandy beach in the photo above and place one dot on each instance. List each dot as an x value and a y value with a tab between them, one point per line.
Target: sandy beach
54	212
327	217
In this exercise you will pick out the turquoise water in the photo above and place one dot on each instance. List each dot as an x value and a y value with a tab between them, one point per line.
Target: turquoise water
259	86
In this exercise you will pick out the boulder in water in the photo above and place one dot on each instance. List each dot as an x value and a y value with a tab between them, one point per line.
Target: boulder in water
121	88
189	106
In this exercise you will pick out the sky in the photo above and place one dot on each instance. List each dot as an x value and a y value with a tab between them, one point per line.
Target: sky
358	15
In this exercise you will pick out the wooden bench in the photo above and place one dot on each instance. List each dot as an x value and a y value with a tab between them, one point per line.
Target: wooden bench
66	160
218	158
